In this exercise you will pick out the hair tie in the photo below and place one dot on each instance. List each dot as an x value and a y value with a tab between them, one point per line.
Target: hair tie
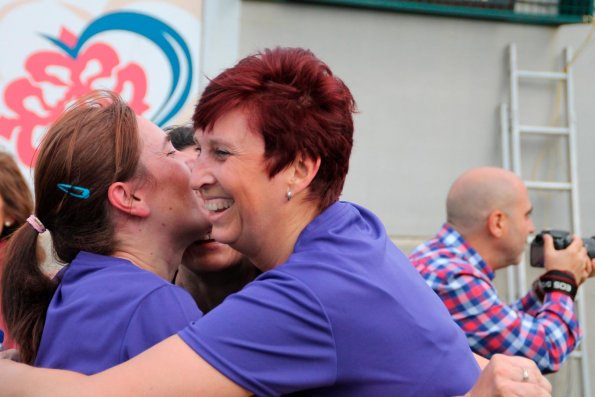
36	224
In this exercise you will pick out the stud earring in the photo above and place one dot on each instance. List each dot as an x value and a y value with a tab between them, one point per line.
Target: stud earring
7	224
289	195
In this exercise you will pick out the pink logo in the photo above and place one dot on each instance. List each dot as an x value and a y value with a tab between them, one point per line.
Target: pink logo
54	78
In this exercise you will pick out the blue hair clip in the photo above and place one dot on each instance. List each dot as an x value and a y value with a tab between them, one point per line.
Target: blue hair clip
75	191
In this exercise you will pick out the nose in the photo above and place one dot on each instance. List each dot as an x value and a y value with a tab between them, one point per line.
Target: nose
531	226
201	174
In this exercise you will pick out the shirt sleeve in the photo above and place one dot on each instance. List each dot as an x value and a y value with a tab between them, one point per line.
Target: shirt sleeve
161	314
546	335
272	338
529	303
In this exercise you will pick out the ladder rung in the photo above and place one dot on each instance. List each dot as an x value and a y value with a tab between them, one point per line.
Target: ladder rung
512	140
531	129
541	75
548	185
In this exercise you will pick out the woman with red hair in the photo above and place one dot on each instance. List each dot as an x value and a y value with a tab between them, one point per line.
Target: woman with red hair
338	310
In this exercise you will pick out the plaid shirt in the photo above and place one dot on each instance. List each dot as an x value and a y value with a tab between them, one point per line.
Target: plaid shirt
544	332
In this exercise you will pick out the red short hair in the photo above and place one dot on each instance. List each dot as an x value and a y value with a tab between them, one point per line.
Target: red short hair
298	106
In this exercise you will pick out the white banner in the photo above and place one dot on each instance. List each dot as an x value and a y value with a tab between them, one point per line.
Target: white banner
55	51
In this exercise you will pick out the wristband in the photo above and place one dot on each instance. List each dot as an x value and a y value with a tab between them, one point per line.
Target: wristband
538	290
558	281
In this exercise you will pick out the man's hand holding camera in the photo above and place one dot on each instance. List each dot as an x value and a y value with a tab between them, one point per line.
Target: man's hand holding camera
567	259
573	259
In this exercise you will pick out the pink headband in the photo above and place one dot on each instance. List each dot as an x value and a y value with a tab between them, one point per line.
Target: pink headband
36	223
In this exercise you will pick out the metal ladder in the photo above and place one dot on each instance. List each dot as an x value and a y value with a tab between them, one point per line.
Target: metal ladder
512	133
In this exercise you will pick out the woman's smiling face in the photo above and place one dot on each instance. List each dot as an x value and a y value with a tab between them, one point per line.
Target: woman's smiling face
241	201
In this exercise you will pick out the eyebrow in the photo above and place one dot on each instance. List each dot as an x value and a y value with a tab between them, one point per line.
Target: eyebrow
211	141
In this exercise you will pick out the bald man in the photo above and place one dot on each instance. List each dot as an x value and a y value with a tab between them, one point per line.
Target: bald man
488	223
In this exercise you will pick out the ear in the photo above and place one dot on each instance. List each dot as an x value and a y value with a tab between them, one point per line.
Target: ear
302	172
121	196
497	223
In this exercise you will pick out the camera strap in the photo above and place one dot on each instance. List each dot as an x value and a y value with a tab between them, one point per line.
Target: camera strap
559	281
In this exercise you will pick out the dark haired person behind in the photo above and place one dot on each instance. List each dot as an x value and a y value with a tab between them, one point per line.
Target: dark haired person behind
338	310
16	203
210	270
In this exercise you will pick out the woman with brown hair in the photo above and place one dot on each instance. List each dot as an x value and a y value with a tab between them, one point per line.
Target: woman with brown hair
16	204
118	205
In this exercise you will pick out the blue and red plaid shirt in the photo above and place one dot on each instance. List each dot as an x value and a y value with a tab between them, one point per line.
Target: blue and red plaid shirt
544	332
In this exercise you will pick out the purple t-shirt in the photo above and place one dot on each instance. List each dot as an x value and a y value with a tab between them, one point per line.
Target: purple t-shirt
346	315
107	310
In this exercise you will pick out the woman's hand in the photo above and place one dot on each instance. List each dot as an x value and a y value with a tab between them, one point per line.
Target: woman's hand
511	376
10	354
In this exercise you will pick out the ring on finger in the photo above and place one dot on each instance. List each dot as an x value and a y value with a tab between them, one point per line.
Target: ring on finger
525	375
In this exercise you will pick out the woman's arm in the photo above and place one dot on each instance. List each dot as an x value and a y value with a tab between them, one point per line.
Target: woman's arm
481	361
170	368
21	380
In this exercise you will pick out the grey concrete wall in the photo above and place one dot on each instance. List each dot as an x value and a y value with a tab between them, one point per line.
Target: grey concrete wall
428	90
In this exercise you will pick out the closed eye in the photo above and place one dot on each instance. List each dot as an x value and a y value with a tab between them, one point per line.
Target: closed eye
221	153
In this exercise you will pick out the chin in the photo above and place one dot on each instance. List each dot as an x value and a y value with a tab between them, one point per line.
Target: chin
222	236
516	261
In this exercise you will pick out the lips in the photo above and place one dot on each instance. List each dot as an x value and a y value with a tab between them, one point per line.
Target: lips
204	240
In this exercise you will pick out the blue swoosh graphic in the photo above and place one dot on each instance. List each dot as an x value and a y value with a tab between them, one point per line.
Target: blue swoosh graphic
164	36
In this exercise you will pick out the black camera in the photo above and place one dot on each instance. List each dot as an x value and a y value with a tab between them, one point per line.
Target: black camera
562	239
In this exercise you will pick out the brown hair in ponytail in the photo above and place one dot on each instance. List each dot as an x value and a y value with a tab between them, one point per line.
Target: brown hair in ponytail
92	145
